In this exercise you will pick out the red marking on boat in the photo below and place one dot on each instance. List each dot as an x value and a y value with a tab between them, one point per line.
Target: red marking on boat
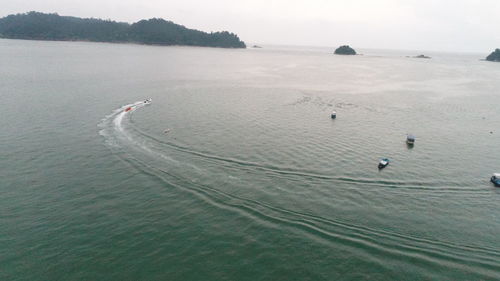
128	109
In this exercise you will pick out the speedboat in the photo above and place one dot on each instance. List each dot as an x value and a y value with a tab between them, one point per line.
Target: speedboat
148	101
410	139
383	163
495	179
334	115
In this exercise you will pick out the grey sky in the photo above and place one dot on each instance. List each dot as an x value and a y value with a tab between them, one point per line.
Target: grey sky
441	25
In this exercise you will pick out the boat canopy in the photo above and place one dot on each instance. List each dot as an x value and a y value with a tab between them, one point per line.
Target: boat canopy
496	175
410	137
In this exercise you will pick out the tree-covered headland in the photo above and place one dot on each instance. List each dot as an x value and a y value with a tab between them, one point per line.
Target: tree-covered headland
41	26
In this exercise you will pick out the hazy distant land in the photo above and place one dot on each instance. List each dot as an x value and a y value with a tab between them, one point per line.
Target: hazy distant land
422	57
156	31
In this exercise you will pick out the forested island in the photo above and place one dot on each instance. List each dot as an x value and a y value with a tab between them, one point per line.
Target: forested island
495	56
156	31
345	50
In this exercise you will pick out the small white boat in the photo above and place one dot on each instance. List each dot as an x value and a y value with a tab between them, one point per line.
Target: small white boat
495	179
383	163
410	139
148	101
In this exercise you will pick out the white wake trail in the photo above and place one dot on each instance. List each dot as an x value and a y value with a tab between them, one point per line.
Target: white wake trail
116	135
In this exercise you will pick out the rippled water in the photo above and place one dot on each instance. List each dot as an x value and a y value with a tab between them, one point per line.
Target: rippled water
237	172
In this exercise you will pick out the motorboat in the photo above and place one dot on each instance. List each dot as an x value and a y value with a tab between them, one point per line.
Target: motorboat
495	179
383	163
148	101
334	115
410	139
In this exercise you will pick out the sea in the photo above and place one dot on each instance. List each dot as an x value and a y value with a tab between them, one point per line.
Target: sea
236	171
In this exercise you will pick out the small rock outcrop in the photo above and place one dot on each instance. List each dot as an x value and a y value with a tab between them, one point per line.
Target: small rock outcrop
345	50
495	56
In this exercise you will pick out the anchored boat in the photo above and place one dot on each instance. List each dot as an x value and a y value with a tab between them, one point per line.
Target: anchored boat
410	139
383	163
495	179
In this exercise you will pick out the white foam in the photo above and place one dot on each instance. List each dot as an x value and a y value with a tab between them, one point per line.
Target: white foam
113	130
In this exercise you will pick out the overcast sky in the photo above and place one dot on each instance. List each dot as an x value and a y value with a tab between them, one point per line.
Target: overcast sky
440	25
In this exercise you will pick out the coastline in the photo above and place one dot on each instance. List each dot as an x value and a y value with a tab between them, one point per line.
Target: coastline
120	43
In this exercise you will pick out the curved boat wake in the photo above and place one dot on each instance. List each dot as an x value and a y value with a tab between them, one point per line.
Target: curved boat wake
144	154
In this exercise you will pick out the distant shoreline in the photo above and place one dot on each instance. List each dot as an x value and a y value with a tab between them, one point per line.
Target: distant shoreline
116	43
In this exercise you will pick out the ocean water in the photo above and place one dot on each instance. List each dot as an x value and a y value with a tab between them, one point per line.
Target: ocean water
236	170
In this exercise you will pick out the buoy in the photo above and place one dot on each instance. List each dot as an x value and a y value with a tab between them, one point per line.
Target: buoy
128	109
